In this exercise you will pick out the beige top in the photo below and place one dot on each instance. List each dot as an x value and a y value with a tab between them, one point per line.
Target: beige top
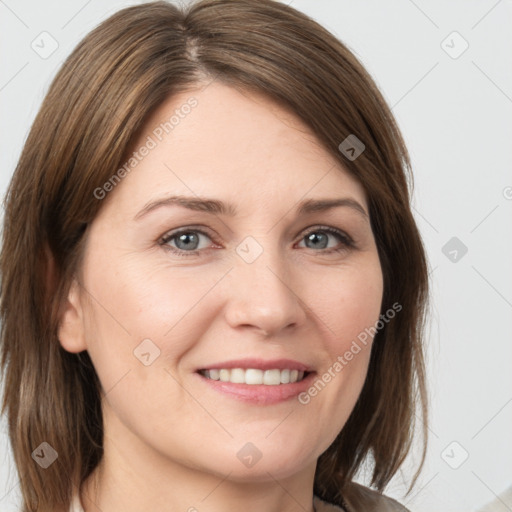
357	499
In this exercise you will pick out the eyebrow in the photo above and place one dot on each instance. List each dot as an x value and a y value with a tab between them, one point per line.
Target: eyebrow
217	207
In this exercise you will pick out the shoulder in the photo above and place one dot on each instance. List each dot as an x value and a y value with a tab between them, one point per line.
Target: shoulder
358	498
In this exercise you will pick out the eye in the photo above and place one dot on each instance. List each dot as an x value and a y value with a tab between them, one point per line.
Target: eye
185	241
318	238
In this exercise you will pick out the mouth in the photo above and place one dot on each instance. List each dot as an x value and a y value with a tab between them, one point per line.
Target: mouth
255	386
255	376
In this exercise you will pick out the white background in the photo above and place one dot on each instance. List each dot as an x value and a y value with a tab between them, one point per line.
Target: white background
456	117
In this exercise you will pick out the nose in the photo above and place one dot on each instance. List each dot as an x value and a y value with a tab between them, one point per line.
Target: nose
262	296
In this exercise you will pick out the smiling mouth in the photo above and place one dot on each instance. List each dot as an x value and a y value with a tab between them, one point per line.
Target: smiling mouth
254	376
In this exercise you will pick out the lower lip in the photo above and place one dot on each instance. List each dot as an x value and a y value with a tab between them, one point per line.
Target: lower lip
260	394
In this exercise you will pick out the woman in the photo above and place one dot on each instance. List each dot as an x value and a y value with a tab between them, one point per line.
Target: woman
213	288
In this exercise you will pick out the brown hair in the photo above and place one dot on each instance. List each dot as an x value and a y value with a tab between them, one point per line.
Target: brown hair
100	97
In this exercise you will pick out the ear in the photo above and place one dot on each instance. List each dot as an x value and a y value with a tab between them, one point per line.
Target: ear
71	331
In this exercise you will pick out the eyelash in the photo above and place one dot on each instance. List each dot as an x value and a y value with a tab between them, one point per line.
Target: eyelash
346	241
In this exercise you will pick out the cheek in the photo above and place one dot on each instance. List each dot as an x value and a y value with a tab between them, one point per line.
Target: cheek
349	303
134	302
139	311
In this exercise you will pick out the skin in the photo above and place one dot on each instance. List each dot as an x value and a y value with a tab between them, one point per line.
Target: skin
171	441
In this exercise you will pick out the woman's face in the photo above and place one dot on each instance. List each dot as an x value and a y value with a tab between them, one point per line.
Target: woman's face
258	271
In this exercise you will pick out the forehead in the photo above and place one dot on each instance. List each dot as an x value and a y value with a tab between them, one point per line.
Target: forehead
220	141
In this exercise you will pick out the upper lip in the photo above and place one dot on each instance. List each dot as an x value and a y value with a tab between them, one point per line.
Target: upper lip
260	364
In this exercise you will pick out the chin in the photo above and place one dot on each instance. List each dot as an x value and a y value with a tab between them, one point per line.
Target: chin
261	472
250	464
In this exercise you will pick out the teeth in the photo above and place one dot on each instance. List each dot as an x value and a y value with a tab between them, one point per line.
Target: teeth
254	376
214	374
